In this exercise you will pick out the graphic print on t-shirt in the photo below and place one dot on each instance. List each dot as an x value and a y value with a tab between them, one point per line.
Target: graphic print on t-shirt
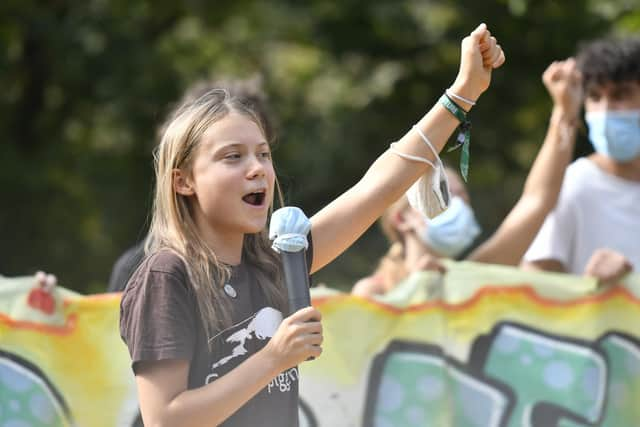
261	326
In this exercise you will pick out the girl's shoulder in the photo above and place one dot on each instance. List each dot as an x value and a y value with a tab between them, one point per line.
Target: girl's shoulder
167	261
159	267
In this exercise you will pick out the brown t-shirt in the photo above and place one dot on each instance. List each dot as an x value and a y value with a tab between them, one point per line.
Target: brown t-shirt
159	320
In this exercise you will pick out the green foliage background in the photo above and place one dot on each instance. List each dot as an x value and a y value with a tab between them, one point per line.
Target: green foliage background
85	84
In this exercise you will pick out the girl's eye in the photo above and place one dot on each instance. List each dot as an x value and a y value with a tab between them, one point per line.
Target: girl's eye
232	156
266	155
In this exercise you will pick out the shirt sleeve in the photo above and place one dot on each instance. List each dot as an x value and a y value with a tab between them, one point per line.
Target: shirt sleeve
158	318
124	267
556	238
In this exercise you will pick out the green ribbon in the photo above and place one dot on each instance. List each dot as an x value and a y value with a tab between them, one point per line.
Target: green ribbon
464	133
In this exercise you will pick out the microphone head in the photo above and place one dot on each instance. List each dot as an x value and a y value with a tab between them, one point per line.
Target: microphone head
288	229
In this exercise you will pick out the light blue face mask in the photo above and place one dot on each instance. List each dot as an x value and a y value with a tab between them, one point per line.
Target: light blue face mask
453	231
615	134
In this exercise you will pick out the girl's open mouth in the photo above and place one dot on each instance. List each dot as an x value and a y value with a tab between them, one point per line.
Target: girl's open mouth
255	199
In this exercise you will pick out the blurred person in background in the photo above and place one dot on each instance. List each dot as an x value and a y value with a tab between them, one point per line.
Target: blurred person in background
595	227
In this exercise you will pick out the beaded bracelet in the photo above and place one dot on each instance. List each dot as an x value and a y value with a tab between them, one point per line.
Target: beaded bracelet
464	136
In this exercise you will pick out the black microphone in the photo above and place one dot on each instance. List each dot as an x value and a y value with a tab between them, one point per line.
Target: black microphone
288	230
296	278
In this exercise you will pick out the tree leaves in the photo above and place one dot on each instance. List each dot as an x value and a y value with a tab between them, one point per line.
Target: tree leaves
85	85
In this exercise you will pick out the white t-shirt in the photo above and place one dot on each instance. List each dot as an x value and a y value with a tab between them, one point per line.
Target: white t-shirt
595	210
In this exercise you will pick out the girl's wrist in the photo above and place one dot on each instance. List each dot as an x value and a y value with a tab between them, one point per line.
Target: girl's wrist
269	361
464	91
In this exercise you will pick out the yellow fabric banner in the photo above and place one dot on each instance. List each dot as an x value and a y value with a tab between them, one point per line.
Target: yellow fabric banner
479	346
482	346
62	362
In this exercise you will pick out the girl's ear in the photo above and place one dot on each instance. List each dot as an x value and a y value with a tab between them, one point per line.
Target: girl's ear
182	183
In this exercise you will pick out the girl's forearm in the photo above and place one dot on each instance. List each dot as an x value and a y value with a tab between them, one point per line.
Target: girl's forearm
384	182
213	403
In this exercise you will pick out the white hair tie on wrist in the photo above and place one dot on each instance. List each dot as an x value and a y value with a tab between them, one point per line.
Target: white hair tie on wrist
450	94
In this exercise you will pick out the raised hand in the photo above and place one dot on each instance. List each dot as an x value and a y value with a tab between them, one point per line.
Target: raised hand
480	54
564	84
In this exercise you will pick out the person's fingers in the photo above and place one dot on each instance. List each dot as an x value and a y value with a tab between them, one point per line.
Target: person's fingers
546	75
480	33
435	265
486	37
552	73
303	340
571	63
315	351
562	71
490	43
576	76
305	314
496	54
573	73
501	59
494	60
607	266
315	339
490	50
429	263
568	67
308	328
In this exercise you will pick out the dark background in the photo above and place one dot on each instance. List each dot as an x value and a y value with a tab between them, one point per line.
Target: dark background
84	86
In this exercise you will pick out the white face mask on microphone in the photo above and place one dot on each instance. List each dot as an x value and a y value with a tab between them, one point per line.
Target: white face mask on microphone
453	231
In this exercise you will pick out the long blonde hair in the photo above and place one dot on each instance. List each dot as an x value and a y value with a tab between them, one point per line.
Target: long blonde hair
172	223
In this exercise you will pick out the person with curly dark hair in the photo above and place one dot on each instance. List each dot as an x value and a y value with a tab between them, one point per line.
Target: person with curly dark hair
595	226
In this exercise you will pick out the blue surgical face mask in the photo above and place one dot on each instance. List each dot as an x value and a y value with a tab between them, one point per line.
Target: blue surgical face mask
615	134
453	231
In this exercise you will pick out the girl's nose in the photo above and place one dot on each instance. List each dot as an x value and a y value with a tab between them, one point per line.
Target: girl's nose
256	167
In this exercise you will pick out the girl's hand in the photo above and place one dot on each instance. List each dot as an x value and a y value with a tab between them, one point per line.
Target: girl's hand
297	339
428	262
480	54
564	83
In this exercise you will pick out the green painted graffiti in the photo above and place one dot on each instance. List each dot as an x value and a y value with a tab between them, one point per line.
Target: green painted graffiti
28	398
515	376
